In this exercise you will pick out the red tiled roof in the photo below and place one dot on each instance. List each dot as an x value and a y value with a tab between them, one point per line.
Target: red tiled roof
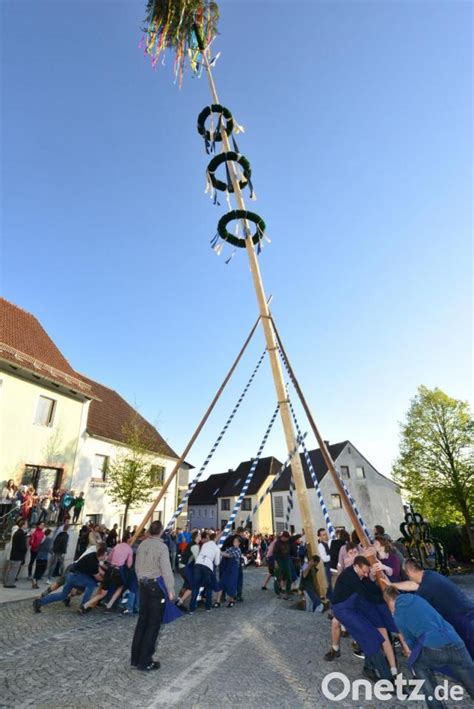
25	343
108	417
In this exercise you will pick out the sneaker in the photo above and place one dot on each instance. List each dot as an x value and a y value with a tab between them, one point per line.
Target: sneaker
358	653
82	609
332	654
216	604
125	611
344	634
396	642
231	604
320	608
264	588
49	581
67	602
37	605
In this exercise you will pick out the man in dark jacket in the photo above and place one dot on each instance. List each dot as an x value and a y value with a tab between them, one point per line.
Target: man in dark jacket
281	552
59	552
17	555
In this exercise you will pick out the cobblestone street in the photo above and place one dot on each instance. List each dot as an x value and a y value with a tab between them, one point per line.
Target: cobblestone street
262	653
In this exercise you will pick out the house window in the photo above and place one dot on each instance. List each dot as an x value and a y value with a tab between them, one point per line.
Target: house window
247	504
95	519
225	504
336	501
360	472
278	506
101	465
280	527
42	479
45	411
157	475
345	472
223	523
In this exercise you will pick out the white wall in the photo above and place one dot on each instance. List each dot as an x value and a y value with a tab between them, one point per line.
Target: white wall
376	497
201	516
95	492
22	442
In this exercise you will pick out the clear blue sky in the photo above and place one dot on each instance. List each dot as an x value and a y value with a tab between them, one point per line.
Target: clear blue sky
358	127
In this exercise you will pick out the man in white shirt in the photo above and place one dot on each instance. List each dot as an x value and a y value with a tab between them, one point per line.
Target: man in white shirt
323	553
208	558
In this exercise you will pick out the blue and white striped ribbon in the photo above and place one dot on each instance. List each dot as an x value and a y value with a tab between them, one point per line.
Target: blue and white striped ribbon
289	505
349	496
194	482
238	502
329	525
276	478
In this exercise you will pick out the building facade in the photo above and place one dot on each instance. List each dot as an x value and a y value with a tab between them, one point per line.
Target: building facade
60	429
377	498
262	520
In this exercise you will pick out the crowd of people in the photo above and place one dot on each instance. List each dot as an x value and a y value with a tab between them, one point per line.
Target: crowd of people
51	507
385	601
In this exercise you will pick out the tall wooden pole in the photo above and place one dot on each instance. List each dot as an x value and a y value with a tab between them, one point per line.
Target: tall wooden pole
193	438
324	451
290	435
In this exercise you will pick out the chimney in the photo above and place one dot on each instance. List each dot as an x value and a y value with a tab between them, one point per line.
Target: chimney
326	443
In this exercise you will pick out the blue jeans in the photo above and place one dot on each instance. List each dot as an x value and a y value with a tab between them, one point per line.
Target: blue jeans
315	599
327	571
72	581
202	577
456	657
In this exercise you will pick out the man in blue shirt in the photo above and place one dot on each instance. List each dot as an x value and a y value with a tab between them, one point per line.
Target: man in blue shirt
434	643
444	596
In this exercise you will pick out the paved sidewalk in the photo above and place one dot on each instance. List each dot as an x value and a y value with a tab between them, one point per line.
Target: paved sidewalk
262	654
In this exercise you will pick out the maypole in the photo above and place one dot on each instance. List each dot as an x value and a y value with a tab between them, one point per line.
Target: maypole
188	28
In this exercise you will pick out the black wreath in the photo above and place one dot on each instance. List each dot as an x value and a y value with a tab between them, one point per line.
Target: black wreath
240	214
225	157
228	125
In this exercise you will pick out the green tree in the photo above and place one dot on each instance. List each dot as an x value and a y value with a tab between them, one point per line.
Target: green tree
436	461
129	473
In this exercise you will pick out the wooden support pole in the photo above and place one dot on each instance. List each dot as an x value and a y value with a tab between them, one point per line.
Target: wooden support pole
196	433
324	450
290	435
364	540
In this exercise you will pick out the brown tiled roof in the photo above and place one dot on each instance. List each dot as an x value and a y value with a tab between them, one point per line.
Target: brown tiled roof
108	417
24	343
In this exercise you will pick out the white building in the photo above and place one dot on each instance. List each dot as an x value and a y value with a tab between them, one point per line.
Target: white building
377	498
202	504
59	429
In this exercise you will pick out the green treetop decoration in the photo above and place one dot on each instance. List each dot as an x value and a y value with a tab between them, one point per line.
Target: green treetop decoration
176	25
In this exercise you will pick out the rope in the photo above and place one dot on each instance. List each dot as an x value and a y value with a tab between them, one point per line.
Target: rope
194	482
329	525
238	503
289	507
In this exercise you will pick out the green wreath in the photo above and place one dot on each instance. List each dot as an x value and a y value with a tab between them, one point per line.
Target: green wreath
225	157
240	214
228	124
